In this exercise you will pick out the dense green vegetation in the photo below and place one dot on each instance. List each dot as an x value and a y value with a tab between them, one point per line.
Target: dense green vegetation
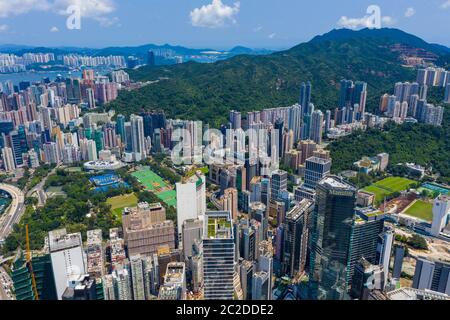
208	91
82	210
415	242
422	144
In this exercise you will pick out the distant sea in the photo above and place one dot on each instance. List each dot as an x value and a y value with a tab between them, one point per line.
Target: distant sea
35	76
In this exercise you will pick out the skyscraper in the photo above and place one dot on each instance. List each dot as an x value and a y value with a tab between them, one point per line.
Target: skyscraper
315	170
346	94
385	251
366	229
295	121
174	287
235	120
398	262
331	234
8	160
278	184
317	126
138	138
261	286
305	95
367	277
137	277
441	212
146	229
432	275
95	254
191	199
151	58
67	257
122	283
218	256
15	143
296	238
447	93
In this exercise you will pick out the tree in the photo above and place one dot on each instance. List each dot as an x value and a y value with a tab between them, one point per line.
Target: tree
418	242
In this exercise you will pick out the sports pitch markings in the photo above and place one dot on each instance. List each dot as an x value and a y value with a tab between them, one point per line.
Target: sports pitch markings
388	187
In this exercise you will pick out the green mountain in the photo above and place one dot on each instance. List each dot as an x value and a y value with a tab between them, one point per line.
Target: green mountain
422	144
208	91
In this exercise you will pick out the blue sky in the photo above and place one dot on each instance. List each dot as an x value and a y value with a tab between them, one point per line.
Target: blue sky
210	23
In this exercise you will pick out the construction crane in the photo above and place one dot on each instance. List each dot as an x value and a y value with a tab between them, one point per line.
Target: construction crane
30	265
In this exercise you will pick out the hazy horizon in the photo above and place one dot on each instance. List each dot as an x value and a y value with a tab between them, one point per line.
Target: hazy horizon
218	24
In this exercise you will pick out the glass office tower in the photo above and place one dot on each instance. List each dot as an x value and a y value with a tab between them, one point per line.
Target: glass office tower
218	256
333	219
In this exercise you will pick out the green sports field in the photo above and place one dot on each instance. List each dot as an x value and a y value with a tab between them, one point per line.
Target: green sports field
422	210
169	197
154	183
389	186
149	179
120	202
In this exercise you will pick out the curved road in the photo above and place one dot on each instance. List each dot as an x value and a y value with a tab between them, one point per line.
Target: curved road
15	212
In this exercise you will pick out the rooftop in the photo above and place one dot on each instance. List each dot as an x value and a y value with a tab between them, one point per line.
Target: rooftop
415	294
94	237
219	225
318	160
60	240
335	182
175	273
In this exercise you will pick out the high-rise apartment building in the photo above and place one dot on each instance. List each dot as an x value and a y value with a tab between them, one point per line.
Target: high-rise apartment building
137	269
235	120
432	275
95	254
317	126
138	139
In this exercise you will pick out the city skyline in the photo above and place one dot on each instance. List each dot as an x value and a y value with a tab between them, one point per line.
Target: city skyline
218	24
166	173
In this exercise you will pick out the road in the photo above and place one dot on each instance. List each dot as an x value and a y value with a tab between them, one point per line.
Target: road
15	211
39	189
5	285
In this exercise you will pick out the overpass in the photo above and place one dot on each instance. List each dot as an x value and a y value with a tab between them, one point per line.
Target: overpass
15	211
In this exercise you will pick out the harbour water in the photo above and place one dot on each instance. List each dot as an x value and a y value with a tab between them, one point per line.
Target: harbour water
16	78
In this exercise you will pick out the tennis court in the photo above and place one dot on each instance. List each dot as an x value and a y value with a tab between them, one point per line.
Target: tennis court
435	188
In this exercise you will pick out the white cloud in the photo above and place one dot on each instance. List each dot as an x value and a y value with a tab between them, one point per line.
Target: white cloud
93	9
388	21
364	22
89	8
446	4
410	12
54	29
214	15
17	7
272	35
3	28
257	29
